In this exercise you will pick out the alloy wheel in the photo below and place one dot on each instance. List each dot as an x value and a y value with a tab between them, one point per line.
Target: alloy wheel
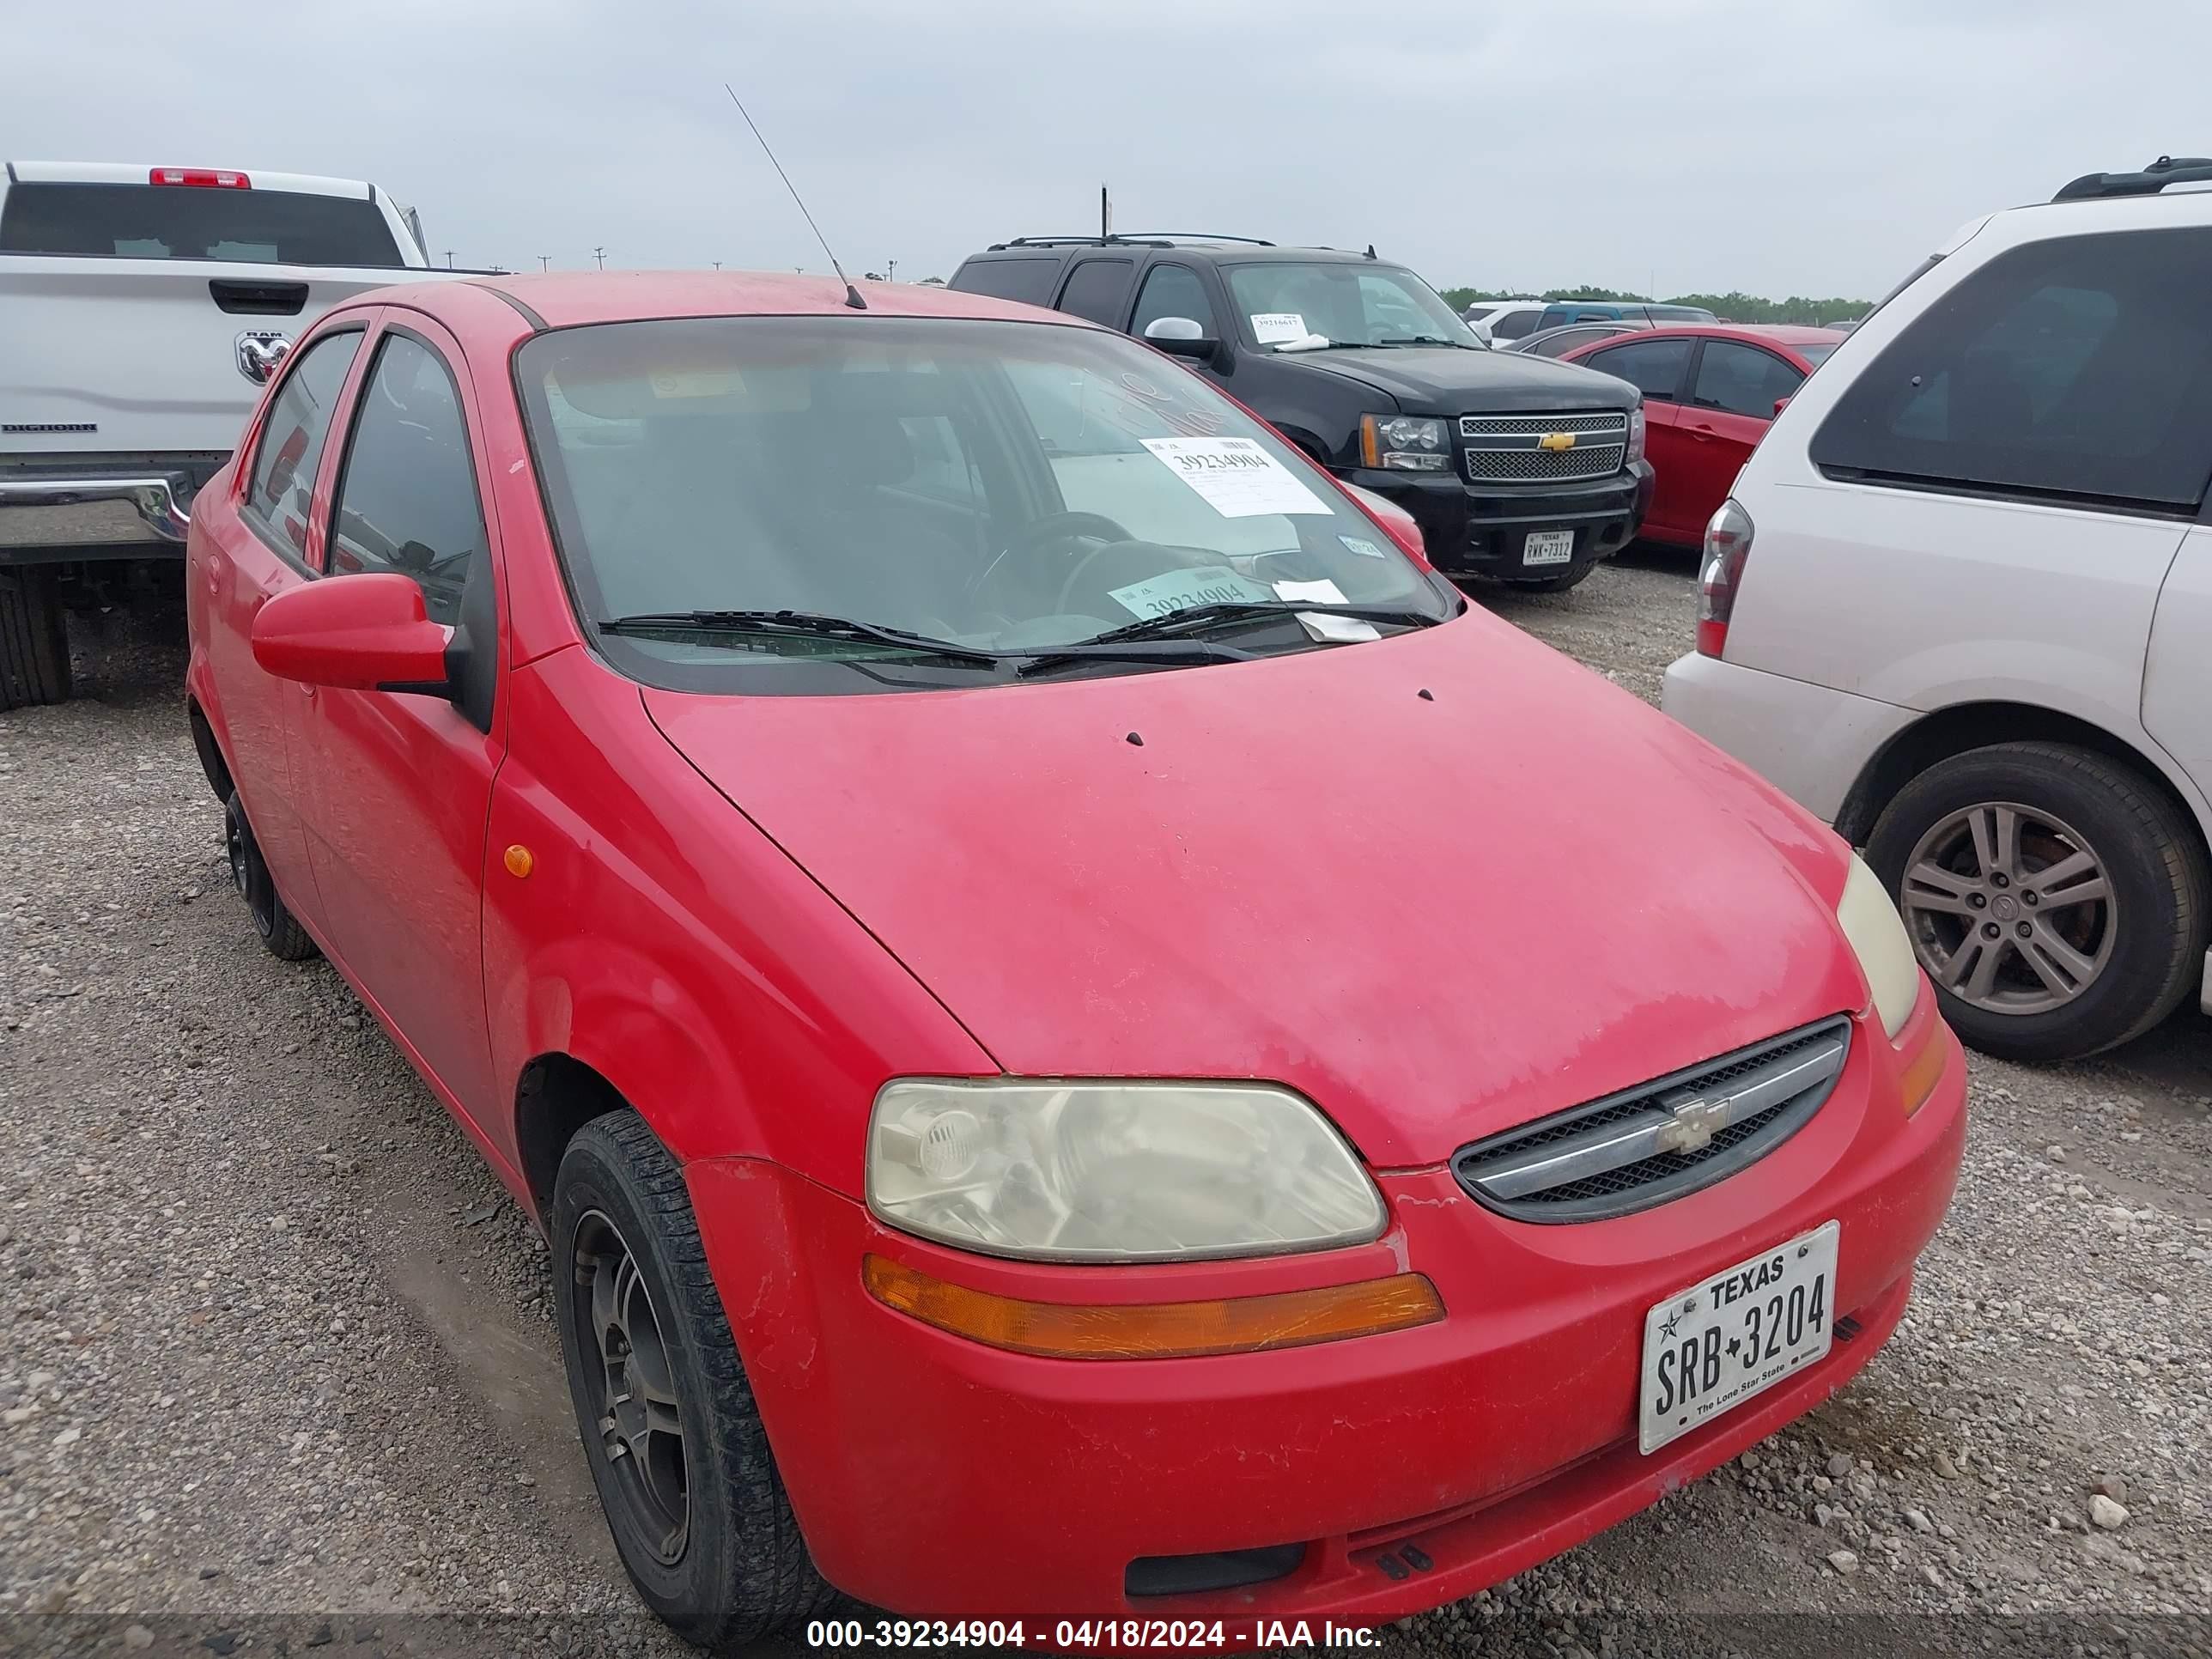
640	1421
2009	908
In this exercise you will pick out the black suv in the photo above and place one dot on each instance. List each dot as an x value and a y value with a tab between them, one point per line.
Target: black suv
1516	468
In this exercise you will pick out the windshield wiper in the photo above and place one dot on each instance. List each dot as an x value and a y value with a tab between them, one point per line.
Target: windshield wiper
811	624
1192	617
1428	339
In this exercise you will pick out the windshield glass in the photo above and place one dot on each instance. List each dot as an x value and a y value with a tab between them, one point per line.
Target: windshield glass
1009	486
1306	307
1815	354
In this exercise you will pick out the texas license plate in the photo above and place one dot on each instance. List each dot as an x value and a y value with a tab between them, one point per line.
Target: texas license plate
1548	547
1710	1347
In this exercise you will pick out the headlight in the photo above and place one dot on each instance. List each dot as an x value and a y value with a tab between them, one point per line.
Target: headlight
1404	443
1635	435
1114	1171
1870	922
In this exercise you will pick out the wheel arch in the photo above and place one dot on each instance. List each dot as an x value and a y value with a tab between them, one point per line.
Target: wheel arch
1937	737
213	765
555	1096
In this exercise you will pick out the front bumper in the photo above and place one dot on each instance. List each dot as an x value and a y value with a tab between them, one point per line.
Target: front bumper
939	1478
1482	529
75	510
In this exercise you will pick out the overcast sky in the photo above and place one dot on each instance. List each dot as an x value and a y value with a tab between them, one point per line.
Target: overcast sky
1816	147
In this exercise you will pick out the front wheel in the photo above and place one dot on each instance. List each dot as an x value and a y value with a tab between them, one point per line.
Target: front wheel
668	1420
2056	898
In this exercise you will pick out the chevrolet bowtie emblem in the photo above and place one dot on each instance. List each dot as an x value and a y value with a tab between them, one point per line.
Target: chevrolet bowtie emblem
1556	440
1693	1126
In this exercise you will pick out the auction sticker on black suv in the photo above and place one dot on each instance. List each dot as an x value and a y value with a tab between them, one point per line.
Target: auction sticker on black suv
1710	1347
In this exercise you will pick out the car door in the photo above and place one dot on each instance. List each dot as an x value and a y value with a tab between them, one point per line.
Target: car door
245	562
1659	369
1734	387
401	781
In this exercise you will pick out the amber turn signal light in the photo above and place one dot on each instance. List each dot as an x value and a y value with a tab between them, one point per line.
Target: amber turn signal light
1157	1330
1923	1065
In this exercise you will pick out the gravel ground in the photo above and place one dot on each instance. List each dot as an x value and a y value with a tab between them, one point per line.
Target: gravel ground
275	1369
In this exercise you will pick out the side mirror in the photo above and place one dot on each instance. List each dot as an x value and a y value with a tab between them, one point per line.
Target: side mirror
368	632
1180	336
1781	404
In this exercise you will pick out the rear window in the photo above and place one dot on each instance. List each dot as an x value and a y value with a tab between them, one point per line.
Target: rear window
187	221
1027	280
1678	314
2080	366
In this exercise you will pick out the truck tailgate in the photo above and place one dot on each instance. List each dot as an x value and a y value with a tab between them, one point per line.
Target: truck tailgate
143	355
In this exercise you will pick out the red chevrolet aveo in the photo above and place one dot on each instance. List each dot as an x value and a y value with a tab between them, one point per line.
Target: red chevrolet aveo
1090	1040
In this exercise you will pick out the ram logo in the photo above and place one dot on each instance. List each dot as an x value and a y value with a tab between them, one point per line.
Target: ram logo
1556	440
260	352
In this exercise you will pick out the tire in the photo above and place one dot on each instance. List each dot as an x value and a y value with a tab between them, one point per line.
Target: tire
34	659
737	1570
2134	915
1559	584
279	928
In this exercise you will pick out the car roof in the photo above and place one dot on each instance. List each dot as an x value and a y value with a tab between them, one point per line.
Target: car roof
132	173
1225	253
1785	334
570	299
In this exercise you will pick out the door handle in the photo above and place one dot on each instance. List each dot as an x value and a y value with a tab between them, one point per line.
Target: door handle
308	692
1703	434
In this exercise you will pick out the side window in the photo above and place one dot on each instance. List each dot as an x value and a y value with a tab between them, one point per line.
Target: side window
1653	367
407	489
1174	291
291	440
1516	325
1096	290
1741	379
2081	366
1554	317
1022	276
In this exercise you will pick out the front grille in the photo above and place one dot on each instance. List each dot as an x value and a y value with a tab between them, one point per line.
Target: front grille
1661	1139
1512	448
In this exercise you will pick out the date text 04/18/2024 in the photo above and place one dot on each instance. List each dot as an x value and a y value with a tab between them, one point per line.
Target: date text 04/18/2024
1127	1635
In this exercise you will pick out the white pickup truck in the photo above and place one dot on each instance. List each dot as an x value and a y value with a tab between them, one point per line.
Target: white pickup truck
142	310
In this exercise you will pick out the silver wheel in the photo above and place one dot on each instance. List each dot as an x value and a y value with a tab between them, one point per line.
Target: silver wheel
2009	908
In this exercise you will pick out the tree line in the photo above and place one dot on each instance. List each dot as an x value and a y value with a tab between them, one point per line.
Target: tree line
1734	307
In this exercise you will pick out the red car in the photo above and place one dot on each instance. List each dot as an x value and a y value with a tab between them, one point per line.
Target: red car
1086	1036
1708	395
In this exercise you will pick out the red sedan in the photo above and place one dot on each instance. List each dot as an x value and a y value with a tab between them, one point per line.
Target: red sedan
1083	1033
1709	396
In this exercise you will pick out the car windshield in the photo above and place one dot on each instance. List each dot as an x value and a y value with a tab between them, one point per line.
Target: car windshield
1815	354
1002	488
1309	306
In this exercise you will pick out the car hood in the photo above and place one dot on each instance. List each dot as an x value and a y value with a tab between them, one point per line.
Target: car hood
1445	381
1441	884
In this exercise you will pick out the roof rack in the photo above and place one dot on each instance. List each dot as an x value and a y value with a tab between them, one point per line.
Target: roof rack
1077	241
1196	236
2166	170
1133	238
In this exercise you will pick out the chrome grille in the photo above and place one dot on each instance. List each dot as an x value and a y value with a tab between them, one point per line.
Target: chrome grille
1512	448
1662	1139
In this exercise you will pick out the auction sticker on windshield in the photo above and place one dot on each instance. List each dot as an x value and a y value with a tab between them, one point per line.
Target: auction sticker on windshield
1238	478
1179	590
1274	327
1710	1347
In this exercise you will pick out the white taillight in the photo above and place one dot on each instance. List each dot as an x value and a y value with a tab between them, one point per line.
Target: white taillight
1727	545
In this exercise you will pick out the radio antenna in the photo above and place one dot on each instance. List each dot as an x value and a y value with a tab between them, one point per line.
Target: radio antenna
852	295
